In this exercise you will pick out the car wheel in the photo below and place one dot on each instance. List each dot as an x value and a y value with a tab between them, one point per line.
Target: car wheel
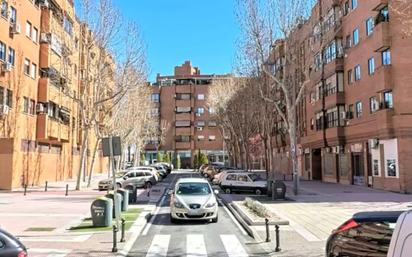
215	220
258	192
228	190
119	185
147	185
173	220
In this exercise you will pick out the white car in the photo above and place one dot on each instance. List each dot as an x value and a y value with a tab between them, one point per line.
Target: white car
401	241
153	170
193	199
243	182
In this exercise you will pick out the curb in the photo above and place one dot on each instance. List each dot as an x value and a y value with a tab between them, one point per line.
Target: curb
249	230
247	219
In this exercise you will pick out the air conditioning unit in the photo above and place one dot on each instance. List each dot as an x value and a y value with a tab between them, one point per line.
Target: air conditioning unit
6	67
374	143
44	3
4	109
15	28
200	128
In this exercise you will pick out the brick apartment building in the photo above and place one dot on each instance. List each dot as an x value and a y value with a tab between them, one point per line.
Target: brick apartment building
40	55
181	107
355	123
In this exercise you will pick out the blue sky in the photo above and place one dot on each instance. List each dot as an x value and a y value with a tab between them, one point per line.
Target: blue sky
203	31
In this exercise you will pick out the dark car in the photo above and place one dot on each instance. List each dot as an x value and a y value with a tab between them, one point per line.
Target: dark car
365	234
10	246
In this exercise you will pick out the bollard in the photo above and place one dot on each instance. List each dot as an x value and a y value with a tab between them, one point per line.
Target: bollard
277	249
122	239
67	189
114	249
45	187
267	230
25	189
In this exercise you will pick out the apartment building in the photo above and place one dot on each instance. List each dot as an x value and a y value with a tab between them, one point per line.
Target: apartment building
40	130
187	121
355	123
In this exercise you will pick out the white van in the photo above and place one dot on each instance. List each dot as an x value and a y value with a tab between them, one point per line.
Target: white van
401	241
243	182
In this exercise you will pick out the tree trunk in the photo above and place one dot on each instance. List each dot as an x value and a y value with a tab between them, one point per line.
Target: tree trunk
96	145
293	148
82	157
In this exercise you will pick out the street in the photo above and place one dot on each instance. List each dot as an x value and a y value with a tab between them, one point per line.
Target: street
162	238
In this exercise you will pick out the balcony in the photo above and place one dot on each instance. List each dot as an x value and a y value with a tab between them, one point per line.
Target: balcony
331	101
382	80
380	5
49	129
183	103
381	39
183	145
334	66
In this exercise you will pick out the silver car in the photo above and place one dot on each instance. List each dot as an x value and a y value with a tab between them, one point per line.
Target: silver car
193	199
131	179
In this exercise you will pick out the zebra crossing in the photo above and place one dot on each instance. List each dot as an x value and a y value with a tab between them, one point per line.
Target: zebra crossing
196	246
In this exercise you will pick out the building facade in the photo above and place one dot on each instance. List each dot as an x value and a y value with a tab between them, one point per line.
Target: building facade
40	129
186	121
355	123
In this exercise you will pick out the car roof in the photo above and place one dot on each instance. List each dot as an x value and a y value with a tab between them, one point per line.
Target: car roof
194	180
388	216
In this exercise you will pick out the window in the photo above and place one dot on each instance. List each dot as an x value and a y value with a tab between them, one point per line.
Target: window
25	104
374	104
1	95
2	51
183	109
9	98
11	56
332	118
371	66
183	138
200	97
13	15
383	15
28	29
200	110
318	61
358	110
33	70
357	73
388	99
212	138
350	77
26	66
211	110
355	36
212	123
329	53
386	57
34	34
231	177
346	8
354	4
200	138
200	123
375	167
32	107
348	41
350	111
68	25
4	8
243	178
182	123
154	112
369	26
155	97
183	96
391	168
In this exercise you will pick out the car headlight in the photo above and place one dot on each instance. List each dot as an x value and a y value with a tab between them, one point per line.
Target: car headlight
178	204
210	205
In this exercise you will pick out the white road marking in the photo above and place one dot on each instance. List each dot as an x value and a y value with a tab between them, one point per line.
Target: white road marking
159	246
233	247
234	220
152	219
50	252
195	246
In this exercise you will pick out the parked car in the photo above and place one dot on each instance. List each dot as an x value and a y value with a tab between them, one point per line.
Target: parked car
193	199
401	241
132	178
210	172
217	179
10	246
151	169
368	234
168	166
202	168
243	182
160	169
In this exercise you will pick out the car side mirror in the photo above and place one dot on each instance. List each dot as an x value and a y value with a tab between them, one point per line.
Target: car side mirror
170	192
125	177
216	192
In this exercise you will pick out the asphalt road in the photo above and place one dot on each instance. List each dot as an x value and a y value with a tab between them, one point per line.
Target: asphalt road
194	239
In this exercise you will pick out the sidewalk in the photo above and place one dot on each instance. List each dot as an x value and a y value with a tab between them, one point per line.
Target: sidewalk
41	219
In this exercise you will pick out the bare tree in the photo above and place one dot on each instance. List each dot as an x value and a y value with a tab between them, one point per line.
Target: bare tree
262	24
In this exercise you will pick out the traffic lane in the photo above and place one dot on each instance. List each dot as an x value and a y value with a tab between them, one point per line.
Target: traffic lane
183	231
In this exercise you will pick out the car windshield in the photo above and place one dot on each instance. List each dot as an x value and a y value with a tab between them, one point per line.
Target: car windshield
193	188
255	177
